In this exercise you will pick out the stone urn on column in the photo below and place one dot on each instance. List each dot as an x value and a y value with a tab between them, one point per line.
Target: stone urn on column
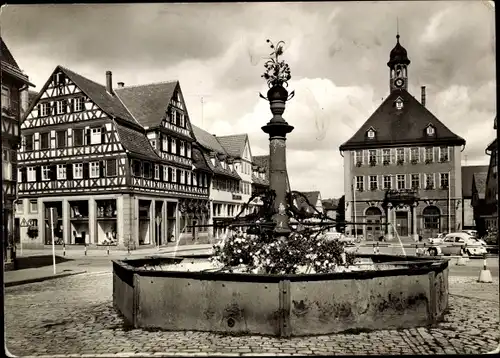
277	76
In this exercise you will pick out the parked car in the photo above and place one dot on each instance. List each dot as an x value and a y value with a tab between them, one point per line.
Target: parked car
471	232
436	240
481	241
454	242
348	240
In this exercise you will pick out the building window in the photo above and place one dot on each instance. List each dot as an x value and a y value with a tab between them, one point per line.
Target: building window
400	156
33	206
94	169
188	178
20	207
387	182
372	155
111	167
359	183
182	121
5	97
414	155
430	131
373	182
444	180
429	155
386	154
431	216
77	137
188	147
61	139
173	147
61	171
78	104
401	181
165	173
371	134
147	170
182	176
45	172
157	172
443	154
153	143
61	107
415	181
165	144
44	141
78	171
44	109
429	181
31	174
182	148
358	157
95	137
29	142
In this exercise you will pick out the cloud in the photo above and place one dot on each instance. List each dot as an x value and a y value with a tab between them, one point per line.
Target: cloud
337	51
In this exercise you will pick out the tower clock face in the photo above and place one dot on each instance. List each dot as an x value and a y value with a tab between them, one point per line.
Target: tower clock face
399	82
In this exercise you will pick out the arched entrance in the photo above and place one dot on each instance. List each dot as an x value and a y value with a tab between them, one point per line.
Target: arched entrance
373	218
432	220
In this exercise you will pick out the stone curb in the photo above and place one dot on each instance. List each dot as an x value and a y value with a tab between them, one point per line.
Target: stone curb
40	279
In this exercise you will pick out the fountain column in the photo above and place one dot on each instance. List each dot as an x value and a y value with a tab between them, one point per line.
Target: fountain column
389	221
414	222
278	128
277	74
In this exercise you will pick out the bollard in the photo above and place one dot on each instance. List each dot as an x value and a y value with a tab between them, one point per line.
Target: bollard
417	252
85	249
485	274
64	249
107	249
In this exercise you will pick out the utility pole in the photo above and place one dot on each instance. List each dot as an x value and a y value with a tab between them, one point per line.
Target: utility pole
202	101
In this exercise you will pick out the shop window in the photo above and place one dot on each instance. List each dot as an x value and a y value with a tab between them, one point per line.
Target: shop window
431	216
106	222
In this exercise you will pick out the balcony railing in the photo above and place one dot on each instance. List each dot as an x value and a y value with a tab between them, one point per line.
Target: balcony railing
174	128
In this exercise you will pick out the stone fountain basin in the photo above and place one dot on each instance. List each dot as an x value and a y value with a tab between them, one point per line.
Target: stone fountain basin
408	292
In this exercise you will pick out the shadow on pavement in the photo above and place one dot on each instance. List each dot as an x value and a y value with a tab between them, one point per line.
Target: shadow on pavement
37	261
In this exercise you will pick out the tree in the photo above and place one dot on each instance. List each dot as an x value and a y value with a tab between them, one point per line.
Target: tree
340	226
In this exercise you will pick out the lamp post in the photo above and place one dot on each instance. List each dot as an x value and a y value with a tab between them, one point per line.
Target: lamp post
278	74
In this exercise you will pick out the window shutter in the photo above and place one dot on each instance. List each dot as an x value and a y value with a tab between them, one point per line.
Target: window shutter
85	170
102	169
53	172
24	178
39	107
69	171
87	136
103	134
38	173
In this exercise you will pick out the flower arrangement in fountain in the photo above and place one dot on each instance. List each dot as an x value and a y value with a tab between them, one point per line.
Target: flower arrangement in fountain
277	72
306	249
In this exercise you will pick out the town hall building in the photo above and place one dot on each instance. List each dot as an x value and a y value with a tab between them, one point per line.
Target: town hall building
402	167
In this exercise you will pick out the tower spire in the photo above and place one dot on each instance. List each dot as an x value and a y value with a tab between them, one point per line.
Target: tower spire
397	29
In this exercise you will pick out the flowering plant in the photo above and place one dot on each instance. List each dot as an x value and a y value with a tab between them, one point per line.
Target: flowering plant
285	255
277	72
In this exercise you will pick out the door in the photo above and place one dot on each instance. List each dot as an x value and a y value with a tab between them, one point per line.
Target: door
17	236
402	223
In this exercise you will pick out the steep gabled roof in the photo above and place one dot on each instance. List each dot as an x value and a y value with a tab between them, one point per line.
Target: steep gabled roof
234	144
404	126
217	167
312	197
136	142
479	184
199	160
109	103
32	95
9	64
207	140
263	162
148	103
330	204
467	174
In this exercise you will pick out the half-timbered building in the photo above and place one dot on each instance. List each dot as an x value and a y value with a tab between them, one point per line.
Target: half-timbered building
15	84
116	163
403	166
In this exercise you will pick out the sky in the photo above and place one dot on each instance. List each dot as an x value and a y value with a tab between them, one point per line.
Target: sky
337	52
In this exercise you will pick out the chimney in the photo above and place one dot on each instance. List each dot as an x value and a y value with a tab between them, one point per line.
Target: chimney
121	84
423	96
109	82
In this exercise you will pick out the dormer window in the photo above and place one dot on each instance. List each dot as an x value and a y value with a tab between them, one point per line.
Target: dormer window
398	103
370	133
430	130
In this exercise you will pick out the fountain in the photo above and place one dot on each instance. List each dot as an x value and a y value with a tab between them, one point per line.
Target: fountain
280	276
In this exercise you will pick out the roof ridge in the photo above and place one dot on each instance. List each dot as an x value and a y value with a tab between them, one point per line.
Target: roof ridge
146	84
76	73
232	135
128	110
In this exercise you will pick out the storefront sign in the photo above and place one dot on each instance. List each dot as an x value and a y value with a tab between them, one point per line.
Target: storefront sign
236	197
401	195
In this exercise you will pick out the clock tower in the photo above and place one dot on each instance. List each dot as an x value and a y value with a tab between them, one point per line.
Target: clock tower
398	65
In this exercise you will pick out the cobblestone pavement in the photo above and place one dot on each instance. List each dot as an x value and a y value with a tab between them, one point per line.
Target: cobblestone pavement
74	315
